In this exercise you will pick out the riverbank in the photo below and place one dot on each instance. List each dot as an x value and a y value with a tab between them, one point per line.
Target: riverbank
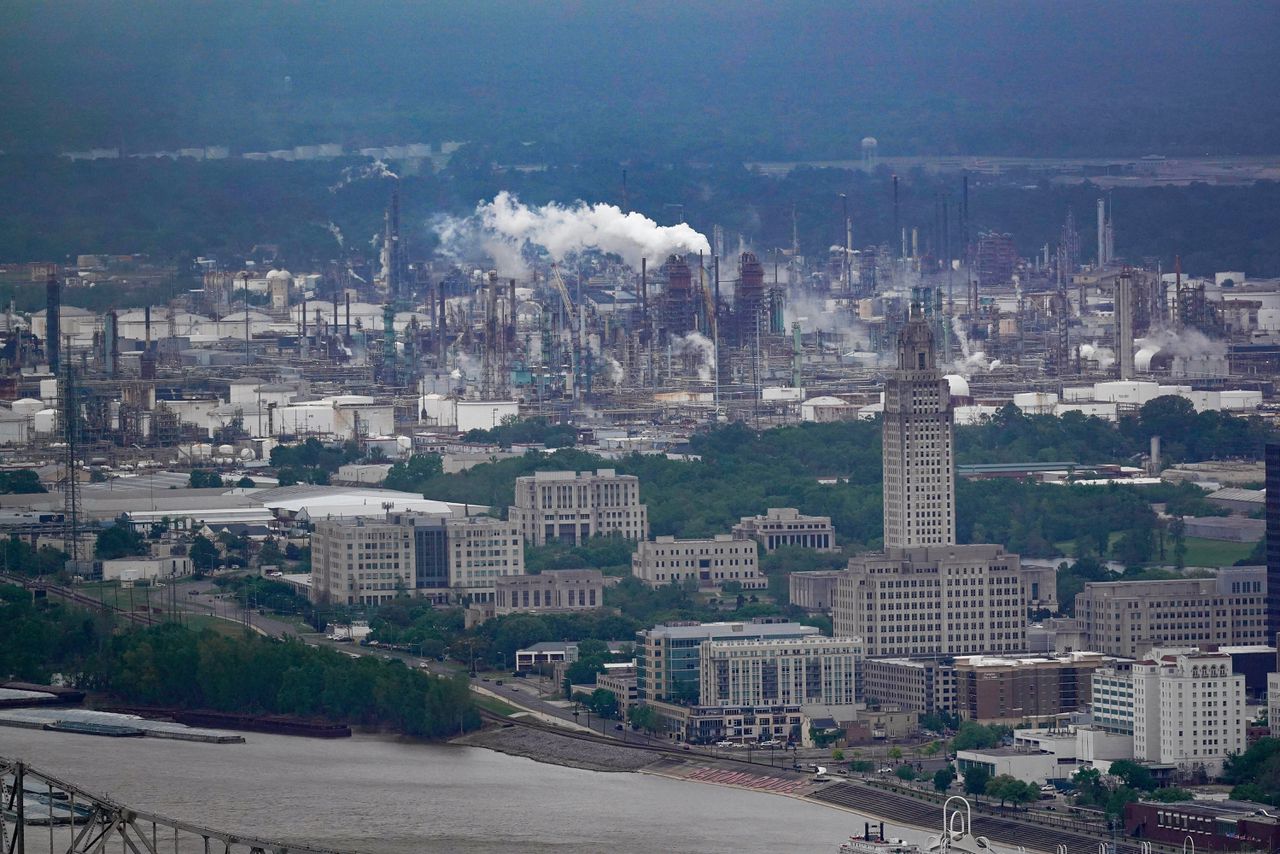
554	749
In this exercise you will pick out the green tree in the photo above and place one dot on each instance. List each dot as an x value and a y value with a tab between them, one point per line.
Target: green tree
895	753
1132	774
976	778
604	703
204	479
204	554
20	481
1171	794
943	778
645	718
120	540
976	736
905	773
245	482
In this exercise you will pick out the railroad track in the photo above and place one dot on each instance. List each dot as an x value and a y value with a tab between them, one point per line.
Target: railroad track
70	595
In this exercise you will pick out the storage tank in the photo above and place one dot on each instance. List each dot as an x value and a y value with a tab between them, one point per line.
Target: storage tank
1036	402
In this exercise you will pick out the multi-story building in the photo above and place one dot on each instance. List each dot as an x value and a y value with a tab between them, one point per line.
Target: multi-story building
669	657
946	600
711	563
1128	618
552	590
368	561
814	591
773	671
1024	690
1111	695
572	507
1272	458
919	466
1188	712
621	680
785	526
927	686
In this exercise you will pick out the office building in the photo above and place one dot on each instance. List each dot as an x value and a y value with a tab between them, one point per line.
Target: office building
1273	540
919	467
669	657
1128	618
1008	690
550	591
779	671
371	560
927	686
786	526
1111	697
948	600
1188	712
711	563
572	507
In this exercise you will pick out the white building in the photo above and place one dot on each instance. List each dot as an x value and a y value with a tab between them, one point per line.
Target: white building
786	526
550	591
146	568
712	563
779	671
572	507
1188	711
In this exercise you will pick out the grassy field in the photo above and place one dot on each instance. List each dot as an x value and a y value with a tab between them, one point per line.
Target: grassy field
1215	552
491	704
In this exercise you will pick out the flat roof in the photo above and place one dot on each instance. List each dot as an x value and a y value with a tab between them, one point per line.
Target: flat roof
729	630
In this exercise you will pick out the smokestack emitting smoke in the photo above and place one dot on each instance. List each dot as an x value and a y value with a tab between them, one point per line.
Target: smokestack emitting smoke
505	226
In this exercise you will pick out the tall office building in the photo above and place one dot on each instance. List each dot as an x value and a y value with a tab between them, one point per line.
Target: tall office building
919	467
1273	541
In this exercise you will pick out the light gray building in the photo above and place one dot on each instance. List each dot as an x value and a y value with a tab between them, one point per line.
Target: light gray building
572	507
712	563
927	686
786	526
814	591
777	671
550	591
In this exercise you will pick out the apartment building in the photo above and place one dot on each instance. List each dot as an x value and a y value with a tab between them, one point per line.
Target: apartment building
1188	711
946	600
368	561
786	526
572	507
777	671
927	686
1129	618
712	563
550	591
1111	697
1006	690
669	657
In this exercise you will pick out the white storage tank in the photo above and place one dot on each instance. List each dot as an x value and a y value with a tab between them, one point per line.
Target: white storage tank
1105	411
26	406
1078	393
1269	319
485	414
45	421
1240	400
1036	402
438	410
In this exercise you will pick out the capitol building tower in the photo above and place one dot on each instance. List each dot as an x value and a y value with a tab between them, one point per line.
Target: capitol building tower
919	462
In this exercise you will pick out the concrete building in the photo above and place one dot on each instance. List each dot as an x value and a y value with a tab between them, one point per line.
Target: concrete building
1188	712
669	657
1272	457
572	507
785	526
919	467
1024	690
813	591
927	686
711	563
621	680
773	671
146	568
945	600
368	561
550	591
1128	618
1111	696
745	725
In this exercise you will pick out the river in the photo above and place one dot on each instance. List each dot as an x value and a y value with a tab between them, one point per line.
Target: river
377	795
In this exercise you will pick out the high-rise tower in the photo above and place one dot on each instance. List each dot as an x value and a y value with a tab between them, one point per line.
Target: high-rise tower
919	465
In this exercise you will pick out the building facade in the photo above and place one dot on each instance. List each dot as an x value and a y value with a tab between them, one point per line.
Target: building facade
550	591
785	526
669	657
1111	694
1129	618
950	600
572	507
711	563
371	560
927	686
813	591
1188	711
1272	458
1008	690
772	672
919	466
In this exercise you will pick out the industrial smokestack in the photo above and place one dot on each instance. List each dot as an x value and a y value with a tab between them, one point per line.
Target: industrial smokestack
896	229
1155	456
1124	324
1102	234
53	321
347	334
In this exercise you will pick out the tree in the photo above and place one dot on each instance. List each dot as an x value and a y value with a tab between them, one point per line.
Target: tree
204	479
120	540
645	718
1133	775
604	703
1172	794
943	778
1009	788
905	773
20	481
245	482
976	736
976	778
895	753
204	554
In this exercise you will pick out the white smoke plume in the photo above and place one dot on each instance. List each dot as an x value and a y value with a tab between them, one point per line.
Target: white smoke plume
351	174
505	226
817	314
972	363
1187	343
696	350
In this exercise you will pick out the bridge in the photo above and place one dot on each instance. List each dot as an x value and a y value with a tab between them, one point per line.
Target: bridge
52	815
